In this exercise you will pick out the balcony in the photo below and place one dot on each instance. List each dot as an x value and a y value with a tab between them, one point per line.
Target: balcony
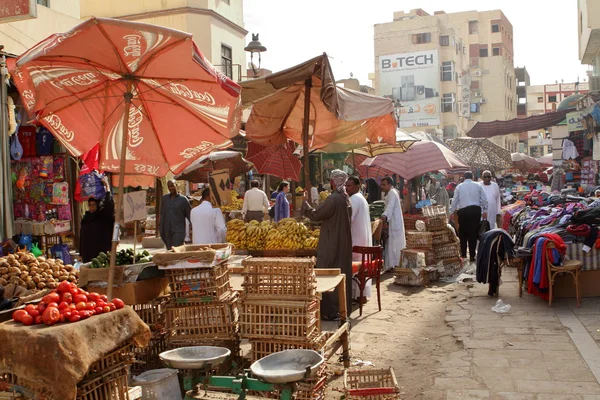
522	110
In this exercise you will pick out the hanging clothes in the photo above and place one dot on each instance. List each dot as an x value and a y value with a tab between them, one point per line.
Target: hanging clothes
494	246
569	150
537	272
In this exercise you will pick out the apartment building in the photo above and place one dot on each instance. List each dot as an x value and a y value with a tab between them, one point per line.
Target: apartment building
217	25
448	71
588	16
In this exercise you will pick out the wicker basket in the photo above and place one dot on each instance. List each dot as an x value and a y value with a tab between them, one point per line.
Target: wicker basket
410	221
419	240
417	258
211	320
263	319
279	278
153	313
407	276
433	211
448	253
263	348
371	384
436	223
201	284
441	237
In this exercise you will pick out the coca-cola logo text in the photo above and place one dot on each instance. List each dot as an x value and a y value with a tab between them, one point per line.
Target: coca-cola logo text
133	47
28	99
135	119
202	148
56	123
183	91
77	80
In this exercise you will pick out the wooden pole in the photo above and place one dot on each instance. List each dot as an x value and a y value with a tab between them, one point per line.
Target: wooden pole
135	224
119	217
305	146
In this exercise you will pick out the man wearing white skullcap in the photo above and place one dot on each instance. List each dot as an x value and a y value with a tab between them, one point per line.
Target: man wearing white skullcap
335	241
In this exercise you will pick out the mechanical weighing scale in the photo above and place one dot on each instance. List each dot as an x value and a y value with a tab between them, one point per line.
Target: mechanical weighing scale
277	371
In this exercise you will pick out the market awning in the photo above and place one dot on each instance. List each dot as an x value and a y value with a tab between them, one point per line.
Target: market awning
535	122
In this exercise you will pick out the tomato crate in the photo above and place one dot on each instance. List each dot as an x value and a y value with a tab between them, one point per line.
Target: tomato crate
147	358
371	384
263	348
153	313
274	320
199	284
419	240
279	278
212	320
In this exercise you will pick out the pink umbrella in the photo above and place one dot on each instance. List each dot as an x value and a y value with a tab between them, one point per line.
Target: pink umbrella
545	161
278	160
355	161
422	157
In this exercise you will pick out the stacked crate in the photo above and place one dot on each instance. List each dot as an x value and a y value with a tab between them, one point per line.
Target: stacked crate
154	315
203	309
280	311
446	246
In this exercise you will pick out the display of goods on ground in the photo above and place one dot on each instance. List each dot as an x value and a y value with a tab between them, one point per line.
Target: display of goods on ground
66	304
287	234
278	278
30	272
371	384
415	276
124	257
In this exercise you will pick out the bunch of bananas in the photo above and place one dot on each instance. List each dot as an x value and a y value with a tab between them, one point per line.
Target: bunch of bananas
256	234
236	204
324	194
236	233
316	233
299	190
311	243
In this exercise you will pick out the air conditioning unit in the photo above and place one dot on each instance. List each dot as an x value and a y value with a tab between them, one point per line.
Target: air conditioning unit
478	94
478	73
594	82
482	101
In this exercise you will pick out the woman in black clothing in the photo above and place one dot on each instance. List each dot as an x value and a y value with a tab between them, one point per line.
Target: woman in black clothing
96	227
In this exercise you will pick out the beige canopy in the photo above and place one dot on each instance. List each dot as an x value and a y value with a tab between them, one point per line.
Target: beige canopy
339	118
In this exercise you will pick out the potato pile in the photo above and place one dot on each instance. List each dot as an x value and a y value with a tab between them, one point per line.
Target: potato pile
23	269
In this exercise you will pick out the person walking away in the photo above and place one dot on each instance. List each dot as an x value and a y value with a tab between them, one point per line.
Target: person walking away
175	210
493	195
439	194
373	192
207	227
255	203
97	226
335	241
393	218
469	202
314	194
362	235
282	205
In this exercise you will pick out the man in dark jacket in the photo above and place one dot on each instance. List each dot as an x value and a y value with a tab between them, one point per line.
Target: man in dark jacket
174	210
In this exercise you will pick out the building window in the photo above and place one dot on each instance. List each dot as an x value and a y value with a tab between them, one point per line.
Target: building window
540	99
495	28
474	85
45	3
420	38
472	27
483	52
449	102
475	107
495	51
447	71
226	61
552	99
445	40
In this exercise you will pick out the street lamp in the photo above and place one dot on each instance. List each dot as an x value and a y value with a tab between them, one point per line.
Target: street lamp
255	47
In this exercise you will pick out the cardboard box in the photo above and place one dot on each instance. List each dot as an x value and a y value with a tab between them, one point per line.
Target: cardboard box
52	228
140	292
88	275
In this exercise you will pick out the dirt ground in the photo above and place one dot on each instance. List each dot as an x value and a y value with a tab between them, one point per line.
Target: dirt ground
408	334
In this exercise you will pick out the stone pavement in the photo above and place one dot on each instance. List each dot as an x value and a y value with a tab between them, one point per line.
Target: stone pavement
533	352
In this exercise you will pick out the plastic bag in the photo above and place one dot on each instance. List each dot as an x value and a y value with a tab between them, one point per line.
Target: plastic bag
501	307
92	186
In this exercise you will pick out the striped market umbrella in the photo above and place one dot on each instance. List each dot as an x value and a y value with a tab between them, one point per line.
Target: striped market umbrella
278	160
355	161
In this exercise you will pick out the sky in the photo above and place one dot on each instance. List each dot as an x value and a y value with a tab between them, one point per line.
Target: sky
545	34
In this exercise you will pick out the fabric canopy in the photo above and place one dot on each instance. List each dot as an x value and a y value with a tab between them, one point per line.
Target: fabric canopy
497	128
339	118
364	171
481	153
200	170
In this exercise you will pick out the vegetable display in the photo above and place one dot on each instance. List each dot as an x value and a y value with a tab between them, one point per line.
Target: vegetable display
67	303
124	257
24	269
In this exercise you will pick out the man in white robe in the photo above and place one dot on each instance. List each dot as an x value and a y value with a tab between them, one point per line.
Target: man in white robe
392	216
492	192
207	226
360	228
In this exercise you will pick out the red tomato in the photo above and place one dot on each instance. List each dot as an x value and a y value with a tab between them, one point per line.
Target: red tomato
72	307
93	296
51	297
18	315
67	297
64	287
34	313
63	305
27	319
80	306
41	306
81	291
30	307
104	298
112	306
100	303
74	318
74	292
74	312
61	318
67	313
106	309
90	305
39	320
80	298
118	303
84	314
55	305
51	315
98	310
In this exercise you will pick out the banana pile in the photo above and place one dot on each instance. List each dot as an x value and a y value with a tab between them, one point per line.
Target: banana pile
324	194
236	204
256	234
236	233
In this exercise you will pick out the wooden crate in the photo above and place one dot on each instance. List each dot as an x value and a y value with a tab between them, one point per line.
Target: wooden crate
275	320
146	358
450	269
263	348
436	223
279	278
199	284
419	240
448	253
211	320
433	211
111	385
406	276
153	313
442	237
417	258
371	384
410	220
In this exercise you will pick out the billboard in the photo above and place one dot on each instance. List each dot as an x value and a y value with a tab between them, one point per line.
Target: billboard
16	10
412	80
